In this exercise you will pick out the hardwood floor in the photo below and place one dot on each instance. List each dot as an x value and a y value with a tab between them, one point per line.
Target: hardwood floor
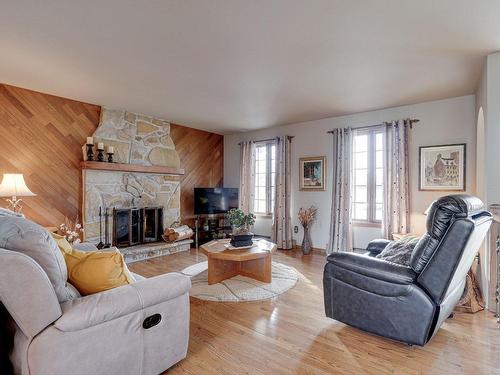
291	335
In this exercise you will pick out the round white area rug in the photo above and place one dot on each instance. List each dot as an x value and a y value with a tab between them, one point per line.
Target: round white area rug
240	288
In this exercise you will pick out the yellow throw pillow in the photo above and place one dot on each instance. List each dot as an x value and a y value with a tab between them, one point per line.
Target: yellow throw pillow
95	271
63	243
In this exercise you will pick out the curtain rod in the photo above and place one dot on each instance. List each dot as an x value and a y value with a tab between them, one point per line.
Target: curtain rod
412	121
269	139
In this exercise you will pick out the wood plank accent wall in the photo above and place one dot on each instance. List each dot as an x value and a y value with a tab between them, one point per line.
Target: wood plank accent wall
202	157
41	136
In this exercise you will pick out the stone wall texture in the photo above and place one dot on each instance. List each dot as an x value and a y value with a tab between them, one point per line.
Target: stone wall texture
137	139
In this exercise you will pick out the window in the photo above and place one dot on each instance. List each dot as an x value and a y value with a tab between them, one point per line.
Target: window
265	172
368	176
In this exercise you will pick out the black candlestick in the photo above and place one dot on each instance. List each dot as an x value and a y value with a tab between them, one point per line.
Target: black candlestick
90	152
110	157
100	155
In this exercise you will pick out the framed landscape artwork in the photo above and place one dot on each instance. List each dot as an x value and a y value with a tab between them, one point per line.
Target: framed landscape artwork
442	167
312	173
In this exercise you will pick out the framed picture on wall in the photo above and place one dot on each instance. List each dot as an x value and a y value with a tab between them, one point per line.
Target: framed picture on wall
442	167
312	173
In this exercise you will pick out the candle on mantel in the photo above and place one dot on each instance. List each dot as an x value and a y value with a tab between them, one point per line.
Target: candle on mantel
100	146
90	140
111	150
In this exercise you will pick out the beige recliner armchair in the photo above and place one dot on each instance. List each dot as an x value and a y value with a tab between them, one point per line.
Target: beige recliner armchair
142	328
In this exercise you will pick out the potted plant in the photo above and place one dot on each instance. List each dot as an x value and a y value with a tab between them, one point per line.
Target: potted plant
241	227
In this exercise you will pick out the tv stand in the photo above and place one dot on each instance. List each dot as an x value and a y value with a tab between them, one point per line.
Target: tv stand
211	227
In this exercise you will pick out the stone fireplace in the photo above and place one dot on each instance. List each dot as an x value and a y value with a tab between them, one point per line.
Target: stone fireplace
134	226
145	173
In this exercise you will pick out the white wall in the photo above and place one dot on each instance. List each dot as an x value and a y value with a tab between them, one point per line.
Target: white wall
488	98
441	122
483	274
492	117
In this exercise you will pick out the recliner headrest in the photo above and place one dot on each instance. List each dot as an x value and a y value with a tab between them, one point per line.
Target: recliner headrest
450	206
440	216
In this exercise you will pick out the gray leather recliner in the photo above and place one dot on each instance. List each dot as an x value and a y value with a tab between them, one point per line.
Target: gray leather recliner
409	304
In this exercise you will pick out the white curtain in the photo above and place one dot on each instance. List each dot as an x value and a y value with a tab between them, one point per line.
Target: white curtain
247	175
396	178
282	222
341	218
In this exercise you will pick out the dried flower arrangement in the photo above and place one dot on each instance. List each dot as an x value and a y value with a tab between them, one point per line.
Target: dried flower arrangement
307	215
71	231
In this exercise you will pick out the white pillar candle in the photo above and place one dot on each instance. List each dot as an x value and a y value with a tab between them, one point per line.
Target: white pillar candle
100	146
111	149
90	140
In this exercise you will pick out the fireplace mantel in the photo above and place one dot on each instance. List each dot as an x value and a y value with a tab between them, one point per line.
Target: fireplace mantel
120	167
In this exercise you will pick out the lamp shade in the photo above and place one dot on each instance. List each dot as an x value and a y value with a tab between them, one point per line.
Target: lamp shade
13	185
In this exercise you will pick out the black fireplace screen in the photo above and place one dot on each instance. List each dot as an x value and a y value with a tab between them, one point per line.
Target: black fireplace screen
133	226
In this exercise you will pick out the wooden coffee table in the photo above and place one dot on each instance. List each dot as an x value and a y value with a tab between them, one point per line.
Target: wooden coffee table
224	263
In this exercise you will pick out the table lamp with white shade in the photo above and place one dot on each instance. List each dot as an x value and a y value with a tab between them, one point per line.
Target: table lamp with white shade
13	186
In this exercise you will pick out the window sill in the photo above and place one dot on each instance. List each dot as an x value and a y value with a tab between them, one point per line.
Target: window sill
263	215
366	224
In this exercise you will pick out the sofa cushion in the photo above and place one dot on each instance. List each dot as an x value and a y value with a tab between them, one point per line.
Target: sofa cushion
137	277
6	212
24	236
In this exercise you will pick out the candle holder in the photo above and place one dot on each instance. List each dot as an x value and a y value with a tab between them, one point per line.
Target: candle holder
110	157
90	152
100	155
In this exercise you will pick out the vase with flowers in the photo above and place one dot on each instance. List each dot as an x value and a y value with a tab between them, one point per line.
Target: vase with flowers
306	217
241	224
72	231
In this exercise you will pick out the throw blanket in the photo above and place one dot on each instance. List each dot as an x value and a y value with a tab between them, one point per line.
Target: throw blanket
399	251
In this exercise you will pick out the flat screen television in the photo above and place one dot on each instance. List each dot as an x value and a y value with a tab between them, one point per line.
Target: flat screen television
214	200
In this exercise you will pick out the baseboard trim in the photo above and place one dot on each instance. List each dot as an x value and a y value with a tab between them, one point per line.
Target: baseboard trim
316	250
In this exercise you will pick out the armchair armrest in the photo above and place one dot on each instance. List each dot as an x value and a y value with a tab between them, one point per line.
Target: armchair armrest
27	293
99	308
375	247
373	267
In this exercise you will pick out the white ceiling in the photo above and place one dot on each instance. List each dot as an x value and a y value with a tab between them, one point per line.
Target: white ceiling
234	65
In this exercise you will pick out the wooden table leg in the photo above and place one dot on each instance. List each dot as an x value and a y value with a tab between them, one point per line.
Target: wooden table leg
219	270
258	269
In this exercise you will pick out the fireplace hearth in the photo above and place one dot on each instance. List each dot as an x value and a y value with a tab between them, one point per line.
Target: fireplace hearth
135	226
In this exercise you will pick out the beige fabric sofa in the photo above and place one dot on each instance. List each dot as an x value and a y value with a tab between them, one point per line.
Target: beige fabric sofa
60	332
